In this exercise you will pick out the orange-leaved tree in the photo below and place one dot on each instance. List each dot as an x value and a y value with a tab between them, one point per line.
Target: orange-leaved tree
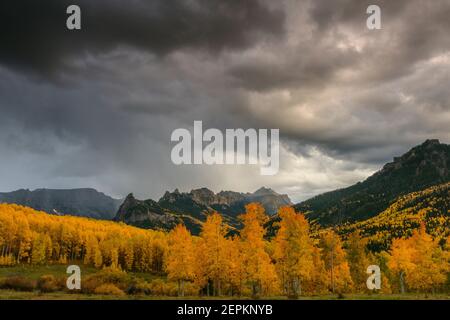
259	269
215	246
180	257
293	251
335	261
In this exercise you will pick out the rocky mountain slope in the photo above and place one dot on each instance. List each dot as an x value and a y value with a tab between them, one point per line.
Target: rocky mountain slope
79	202
192	207
423	166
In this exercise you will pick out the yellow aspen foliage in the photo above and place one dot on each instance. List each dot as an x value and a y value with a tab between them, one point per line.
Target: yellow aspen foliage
215	251
293	251
237	274
30	236
335	261
259	270
291	263
200	279
358	260
319	280
38	249
419	262
180	257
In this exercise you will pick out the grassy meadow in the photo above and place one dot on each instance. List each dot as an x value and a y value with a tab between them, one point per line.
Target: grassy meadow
34	273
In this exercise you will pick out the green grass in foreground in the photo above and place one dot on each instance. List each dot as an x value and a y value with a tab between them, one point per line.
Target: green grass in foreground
60	271
34	272
15	295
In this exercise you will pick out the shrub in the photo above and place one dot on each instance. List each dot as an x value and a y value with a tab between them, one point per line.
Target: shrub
7	260
171	289
140	287
157	287
118	278
162	288
109	289
48	283
18	283
191	289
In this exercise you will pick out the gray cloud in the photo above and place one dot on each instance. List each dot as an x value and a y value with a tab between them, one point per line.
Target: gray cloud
34	34
96	108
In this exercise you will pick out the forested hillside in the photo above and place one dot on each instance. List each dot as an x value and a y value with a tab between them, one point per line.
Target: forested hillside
292	263
423	166
430	207
86	202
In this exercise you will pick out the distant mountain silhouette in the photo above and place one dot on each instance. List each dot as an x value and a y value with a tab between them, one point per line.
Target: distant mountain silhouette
78	202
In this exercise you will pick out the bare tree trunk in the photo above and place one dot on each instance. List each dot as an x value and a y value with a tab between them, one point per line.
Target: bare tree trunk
402	283
332	268
299	287
182	288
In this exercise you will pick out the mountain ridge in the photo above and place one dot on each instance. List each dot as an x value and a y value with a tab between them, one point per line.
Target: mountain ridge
193	207
77	201
422	166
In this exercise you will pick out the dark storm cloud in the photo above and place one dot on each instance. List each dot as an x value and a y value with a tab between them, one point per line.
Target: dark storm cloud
346	99
34	35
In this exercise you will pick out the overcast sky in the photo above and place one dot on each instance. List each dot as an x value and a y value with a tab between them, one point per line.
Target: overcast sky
96	107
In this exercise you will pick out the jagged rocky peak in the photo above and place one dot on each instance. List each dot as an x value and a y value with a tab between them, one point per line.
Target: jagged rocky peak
195	206
431	142
271	198
130	199
129	203
263	191
206	197
129	196
171	196
229	197
203	195
429	157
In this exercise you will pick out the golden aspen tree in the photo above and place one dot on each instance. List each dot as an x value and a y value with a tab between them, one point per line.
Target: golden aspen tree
400	261
24	238
293	251
260	272
180	257
38	249
90	247
98	258
358	260
128	255
48	247
335	261
27	235
215	259
159	248
201	277
9	232
431	261
236	265
319	279
419	261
